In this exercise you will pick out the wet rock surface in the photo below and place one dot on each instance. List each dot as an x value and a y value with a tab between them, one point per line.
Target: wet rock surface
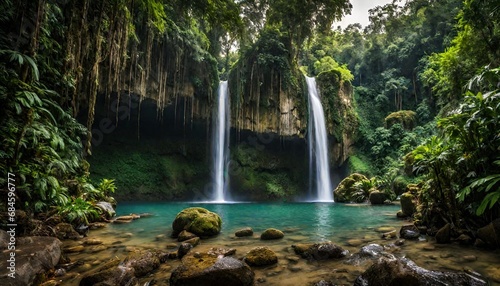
261	256
211	269
271	233
403	271
409	231
247	231
320	251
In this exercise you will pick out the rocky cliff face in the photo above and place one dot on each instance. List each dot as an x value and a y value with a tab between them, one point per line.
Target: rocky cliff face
342	121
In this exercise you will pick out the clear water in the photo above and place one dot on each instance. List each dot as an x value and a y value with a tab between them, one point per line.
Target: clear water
350	226
318	145
321	221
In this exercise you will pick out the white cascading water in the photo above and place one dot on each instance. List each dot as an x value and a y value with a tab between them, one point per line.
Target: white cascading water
318	145
220	142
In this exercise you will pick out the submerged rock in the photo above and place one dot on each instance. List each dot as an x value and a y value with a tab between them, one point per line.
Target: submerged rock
210	270
320	251
35	255
110	273
272	233
116	272
261	256
402	271
247	231
143	264
197	220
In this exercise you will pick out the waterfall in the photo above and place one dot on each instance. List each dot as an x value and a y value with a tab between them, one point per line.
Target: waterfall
318	145
220	142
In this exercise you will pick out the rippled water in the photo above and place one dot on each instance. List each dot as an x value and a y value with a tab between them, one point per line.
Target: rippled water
349	226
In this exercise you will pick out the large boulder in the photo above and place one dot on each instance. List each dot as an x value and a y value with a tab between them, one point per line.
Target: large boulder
402	271
199	221
34	256
407	203
345	190
377	197
209	269
490	234
320	251
261	256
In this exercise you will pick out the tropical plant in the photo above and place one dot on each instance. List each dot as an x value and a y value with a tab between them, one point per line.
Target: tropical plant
79	211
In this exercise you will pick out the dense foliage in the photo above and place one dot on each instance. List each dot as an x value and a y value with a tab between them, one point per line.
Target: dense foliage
411	69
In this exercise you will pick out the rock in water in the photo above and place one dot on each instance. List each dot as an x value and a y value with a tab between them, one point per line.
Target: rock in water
185	235
210	270
199	221
261	256
320	251
247	231
402	271
409	231
272	233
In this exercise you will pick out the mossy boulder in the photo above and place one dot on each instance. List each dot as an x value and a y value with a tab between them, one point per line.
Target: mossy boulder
407	204
272	233
407	119
261	256
345	190
199	221
377	197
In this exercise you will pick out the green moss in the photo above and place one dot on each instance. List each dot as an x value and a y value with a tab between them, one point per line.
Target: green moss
199	221
336	95
148	170
407	119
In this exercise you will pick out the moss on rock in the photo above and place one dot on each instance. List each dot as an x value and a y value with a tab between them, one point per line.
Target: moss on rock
261	256
199	221
407	119
345	190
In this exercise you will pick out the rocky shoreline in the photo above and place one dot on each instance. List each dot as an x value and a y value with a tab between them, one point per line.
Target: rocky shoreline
273	257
